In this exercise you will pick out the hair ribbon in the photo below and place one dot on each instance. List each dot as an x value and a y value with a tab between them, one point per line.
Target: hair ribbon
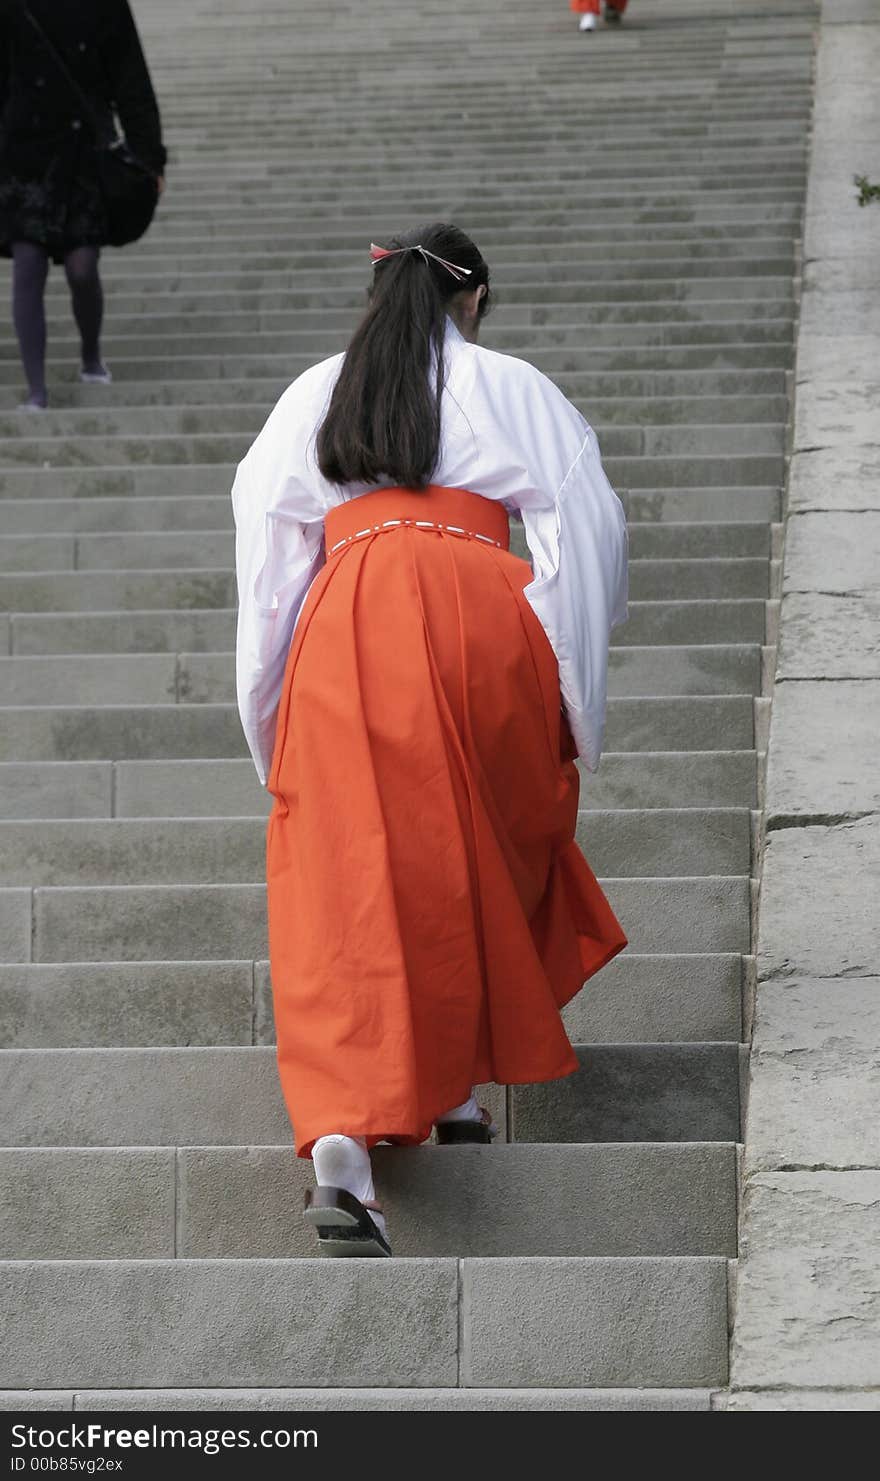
379	254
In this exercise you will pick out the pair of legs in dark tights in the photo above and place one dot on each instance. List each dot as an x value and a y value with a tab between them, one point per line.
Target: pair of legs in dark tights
30	272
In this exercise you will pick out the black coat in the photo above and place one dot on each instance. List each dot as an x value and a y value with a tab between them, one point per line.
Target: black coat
48	178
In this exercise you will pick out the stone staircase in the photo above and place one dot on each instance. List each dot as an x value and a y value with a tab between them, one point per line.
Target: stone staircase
638	195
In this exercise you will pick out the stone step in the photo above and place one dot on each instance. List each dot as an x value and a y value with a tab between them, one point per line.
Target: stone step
303	1400
179	731
102	590
62	517
541	1322
500	233
289	293
655	277
175	261
658	186
160	421
229	850
209	678
635	999
108	551
493	226
253	290
734	620
665	323
217	789
703	195
295	313
238	1203
70	396
228	921
521	166
633	1092
231	1096
698	505
576	352
733	307
727	441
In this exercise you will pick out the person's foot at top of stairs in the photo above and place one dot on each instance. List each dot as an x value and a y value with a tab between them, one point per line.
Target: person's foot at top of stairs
590	10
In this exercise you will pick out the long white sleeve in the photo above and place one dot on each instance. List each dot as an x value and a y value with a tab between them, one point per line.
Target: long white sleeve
579	553
279	509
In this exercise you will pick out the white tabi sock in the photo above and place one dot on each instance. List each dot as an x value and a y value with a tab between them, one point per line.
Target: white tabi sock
467	1111
344	1162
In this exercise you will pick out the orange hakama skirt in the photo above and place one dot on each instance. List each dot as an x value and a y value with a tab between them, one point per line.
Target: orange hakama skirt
429	910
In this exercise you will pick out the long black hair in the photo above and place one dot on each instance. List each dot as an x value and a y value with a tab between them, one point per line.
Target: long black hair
383	421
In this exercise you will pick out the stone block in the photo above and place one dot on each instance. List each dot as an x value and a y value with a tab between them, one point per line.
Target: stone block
635	1093
815	1065
658	999
114	1004
604	1323
73	1204
352	1400
236	1324
28	1398
696	723
665	842
130	1097
806	1320
106	678
821	762
830	636
813	923
133	851
189	789
149	923
15	925
670	779
835	551
839	478
475	1201
838	400
55	790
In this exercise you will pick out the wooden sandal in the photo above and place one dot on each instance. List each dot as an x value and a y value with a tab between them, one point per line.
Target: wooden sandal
456	1133
343	1224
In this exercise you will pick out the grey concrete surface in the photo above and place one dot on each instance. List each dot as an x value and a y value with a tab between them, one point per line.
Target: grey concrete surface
819	898
106	1004
815	1070
63	1204
638	1199
250	1323
831	635
661	1092
353	1399
807	1329
602	1320
804	1400
807	730
652	273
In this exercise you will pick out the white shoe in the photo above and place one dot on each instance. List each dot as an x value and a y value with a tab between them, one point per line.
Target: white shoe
100	377
587	22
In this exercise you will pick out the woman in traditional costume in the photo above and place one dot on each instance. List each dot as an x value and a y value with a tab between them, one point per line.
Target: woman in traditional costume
590	10
401	681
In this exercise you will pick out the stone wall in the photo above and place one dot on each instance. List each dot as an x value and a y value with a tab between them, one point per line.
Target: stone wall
807	1329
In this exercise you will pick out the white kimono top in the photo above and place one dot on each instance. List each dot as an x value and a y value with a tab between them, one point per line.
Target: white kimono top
507	433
